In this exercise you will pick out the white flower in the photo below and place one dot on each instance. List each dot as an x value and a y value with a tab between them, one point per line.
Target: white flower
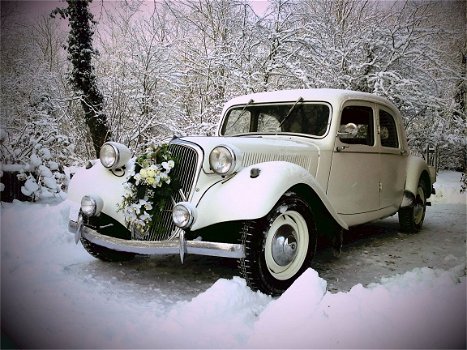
150	177
165	178
145	216
137	178
168	165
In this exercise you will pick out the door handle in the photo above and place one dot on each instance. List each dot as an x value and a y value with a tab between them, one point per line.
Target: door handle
341	148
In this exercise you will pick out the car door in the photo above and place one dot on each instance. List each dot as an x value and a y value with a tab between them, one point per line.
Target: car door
393	159
353	186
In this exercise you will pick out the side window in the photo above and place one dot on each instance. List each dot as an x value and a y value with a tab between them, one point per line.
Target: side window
388	130
362	117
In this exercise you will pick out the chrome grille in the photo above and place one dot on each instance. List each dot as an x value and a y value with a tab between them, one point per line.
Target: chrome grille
187	164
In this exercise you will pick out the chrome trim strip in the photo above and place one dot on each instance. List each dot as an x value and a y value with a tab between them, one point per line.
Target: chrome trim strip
173	247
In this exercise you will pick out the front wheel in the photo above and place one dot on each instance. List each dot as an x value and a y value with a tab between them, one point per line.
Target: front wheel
279	247
411	218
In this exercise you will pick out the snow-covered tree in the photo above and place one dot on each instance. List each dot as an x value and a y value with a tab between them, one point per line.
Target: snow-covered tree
33	143
167	67
217	55
82	77
137	73
391	51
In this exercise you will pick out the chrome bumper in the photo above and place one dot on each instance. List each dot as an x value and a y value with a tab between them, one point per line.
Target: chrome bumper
170	247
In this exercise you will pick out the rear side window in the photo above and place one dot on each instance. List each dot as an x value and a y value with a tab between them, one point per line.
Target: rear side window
388	130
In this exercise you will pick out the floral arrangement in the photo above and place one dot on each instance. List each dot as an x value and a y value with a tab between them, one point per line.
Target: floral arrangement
149	187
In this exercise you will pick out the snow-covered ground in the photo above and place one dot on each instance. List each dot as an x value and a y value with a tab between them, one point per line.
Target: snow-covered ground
387	290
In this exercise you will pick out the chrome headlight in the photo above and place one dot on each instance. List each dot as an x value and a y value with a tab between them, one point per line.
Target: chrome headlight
114	155
223	160
91	205
184	214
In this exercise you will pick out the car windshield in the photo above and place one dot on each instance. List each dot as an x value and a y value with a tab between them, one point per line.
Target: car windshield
295	117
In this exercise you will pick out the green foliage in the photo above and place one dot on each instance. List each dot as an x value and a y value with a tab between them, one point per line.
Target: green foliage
82	77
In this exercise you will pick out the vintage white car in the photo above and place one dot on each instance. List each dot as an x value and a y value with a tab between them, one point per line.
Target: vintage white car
285	168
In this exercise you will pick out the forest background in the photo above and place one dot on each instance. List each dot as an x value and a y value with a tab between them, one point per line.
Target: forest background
166	68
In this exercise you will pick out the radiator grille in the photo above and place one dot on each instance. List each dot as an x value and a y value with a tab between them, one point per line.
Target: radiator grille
185	171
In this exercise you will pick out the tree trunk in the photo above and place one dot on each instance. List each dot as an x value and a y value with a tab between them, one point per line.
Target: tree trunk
82	78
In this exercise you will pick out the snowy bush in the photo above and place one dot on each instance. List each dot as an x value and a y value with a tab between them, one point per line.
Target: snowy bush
38	154
463	183
35	111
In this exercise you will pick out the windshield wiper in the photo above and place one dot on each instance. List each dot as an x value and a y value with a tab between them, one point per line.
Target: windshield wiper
300	99
242	112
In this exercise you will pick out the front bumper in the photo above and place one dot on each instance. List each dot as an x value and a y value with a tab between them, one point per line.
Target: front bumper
169	247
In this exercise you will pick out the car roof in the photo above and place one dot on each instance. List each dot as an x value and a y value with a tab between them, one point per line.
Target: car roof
333	96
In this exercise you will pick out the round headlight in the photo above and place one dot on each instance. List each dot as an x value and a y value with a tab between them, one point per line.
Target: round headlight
183	214
108	155
222	160
114	155
91	205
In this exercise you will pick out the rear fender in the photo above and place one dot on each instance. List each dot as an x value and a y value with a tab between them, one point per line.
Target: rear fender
248	197
418	169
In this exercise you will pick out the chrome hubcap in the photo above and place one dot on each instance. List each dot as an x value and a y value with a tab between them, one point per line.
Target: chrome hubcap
284	245
419	206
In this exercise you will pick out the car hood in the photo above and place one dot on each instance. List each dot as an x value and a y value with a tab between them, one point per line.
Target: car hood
259	149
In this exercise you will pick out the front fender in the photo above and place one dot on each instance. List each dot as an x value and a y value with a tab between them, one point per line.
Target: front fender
100	181
244	197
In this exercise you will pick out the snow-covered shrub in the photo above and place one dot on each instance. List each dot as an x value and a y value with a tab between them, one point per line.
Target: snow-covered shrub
38	154
463	183
38	121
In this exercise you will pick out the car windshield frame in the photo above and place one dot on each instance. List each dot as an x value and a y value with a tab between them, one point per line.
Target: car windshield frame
269	118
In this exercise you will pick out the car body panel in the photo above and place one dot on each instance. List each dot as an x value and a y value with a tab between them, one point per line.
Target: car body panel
258	195
416	166
99	181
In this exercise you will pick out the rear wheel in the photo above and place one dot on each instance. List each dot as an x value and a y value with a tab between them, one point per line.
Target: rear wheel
411	218
279	247
105	254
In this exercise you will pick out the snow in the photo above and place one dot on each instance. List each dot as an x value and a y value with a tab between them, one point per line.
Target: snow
30	186
447	188
54	295
394	314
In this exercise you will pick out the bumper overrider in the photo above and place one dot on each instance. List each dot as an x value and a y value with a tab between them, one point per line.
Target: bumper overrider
174	246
